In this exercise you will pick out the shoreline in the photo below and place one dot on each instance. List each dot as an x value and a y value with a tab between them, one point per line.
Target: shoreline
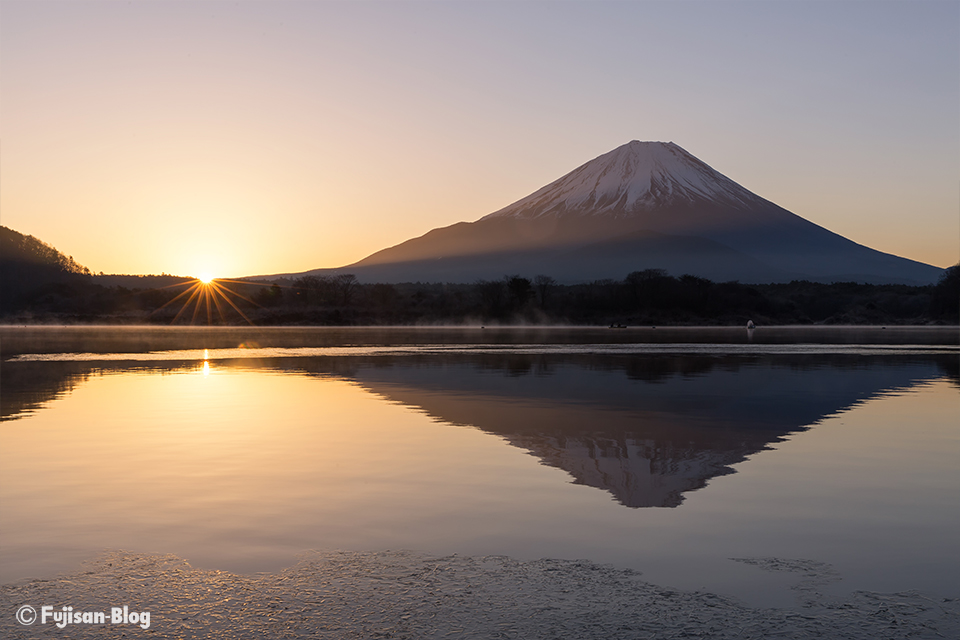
403	594
46	339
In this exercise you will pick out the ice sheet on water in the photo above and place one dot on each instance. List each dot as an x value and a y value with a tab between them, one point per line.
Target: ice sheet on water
400	594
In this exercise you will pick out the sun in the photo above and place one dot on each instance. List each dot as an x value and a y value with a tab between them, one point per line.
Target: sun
210	294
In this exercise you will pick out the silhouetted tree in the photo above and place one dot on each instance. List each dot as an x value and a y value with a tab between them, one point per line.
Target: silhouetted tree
520	290
544	284
346	286
492	296
945	300
310	289
643	285
384	295
696	293
269	296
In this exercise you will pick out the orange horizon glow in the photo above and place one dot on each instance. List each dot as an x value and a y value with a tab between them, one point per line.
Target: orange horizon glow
335	133
207	296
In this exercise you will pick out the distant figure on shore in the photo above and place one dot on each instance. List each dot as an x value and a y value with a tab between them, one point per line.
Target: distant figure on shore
750	325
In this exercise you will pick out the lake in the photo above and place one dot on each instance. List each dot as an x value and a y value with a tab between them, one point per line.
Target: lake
682	453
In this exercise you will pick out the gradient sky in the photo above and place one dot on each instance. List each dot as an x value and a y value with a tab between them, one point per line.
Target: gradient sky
244	138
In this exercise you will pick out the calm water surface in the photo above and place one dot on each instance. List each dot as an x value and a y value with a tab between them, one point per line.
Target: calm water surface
669	456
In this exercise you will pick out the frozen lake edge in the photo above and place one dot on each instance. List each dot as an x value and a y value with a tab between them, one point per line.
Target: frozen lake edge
402	594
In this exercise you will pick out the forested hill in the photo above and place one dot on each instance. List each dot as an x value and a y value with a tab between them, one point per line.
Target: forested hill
29	252
31	269
38	282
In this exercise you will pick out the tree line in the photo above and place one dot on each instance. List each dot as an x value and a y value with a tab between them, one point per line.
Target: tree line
647	297
40	284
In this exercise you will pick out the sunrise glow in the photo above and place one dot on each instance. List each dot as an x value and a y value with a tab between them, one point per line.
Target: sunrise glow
206	301
592	319
336	132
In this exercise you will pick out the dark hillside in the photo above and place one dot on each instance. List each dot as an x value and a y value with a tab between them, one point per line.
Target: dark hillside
31	269
18	249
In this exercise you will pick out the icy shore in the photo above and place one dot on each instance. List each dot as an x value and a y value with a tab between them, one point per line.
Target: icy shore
408	595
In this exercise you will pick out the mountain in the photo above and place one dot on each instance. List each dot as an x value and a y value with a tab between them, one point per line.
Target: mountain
642	205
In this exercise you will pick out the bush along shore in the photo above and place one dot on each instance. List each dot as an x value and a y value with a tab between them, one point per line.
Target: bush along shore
651	296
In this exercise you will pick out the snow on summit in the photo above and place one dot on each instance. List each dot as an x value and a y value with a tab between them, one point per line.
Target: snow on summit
644	205
633	178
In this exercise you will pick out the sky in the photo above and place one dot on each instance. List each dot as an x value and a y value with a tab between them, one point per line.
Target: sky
243	138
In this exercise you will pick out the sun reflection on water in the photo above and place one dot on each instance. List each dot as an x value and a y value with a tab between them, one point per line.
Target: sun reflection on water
242	471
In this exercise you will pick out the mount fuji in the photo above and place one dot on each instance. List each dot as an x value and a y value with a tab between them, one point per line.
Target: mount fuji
643	205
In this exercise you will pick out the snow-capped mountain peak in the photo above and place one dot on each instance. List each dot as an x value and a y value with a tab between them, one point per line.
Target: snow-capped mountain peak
644	205
631	179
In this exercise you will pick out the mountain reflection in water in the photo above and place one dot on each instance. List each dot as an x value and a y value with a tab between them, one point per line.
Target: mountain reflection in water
646	429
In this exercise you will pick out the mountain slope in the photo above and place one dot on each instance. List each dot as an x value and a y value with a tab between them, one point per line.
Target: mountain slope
654	205
16	248
28	265
610	258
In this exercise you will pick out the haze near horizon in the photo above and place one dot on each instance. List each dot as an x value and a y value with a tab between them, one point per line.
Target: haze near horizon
255	137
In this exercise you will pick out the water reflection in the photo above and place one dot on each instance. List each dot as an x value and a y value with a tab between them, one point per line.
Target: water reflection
240	464
27	386
646	429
